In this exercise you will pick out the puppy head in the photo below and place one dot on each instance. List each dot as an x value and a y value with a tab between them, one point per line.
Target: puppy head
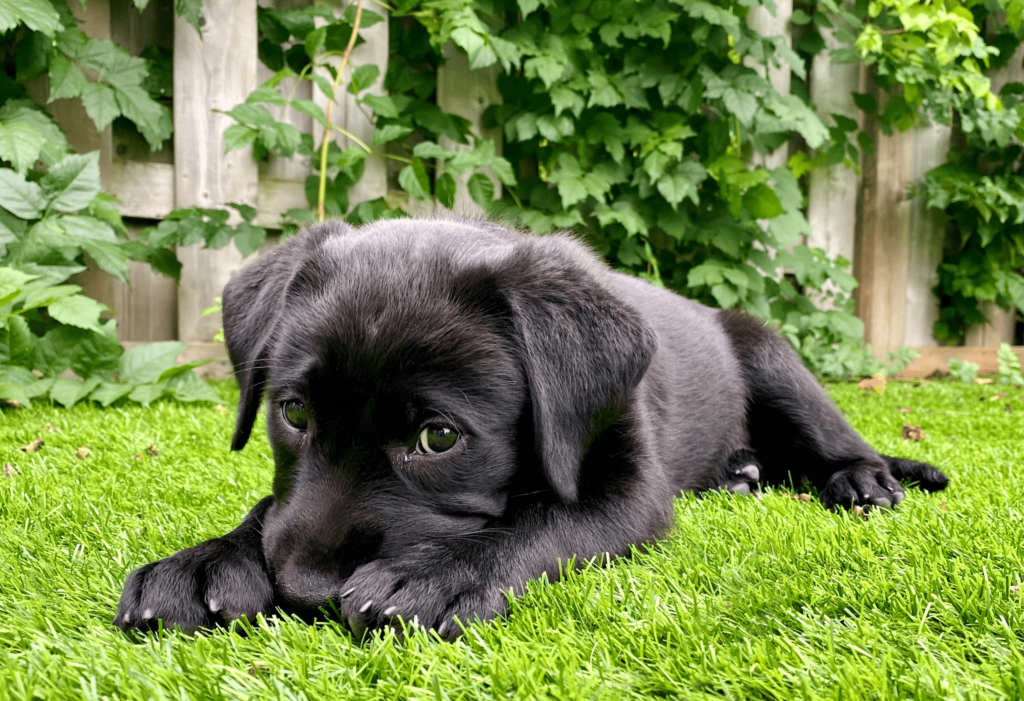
405	364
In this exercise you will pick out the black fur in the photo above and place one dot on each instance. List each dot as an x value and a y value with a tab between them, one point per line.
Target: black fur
585	400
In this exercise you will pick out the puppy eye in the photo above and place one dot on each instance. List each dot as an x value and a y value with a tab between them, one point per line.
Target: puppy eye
436	439
295	414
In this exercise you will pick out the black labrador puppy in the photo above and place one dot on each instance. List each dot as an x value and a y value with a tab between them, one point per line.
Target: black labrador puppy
456	408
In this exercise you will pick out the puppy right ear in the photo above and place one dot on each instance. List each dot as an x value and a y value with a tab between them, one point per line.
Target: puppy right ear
252	302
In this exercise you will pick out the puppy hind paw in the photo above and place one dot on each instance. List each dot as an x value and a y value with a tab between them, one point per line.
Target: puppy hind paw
860	487
741	474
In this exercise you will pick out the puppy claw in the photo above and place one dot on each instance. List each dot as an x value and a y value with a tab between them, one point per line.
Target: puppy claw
357	625
390	611
366	607
740	488
347	593
442	630
750	472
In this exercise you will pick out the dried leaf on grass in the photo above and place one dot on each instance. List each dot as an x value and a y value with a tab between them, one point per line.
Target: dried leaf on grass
10	470
33	446
83	453
877	383
801	497
152	450
220	408
982	380
905	410
913	433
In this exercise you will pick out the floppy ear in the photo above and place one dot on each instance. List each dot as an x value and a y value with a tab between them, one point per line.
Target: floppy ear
584	351
252	304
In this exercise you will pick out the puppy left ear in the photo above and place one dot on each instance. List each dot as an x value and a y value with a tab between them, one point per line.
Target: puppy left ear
585	350
251	303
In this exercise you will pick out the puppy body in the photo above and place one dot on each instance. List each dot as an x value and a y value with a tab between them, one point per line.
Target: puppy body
569	405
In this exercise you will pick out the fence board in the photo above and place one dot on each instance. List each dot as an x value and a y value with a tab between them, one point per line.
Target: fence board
936	359
999	328
216	71
929	148
349	115
468	93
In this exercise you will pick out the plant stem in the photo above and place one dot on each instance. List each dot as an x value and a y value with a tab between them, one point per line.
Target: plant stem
322	193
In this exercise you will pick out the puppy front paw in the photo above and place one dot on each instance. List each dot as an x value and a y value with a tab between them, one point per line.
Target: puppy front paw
422	588
202	587
859	486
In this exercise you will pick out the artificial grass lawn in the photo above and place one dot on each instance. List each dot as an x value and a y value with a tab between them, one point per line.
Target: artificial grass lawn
771	598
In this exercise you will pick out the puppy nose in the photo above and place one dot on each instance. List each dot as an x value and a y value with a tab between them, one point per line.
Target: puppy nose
307	589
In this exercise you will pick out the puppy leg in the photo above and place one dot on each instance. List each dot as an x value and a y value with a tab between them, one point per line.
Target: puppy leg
212	583
796	430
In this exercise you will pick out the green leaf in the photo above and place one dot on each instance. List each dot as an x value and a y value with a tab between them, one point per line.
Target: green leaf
390	132
266	94
37	15
152	119
55	145
19	197
10	390
20	144
362	78
109	257
97	354
428	149
248	238
414	179
144	364
724	295
762	202
445	189
84	229
66	79
865	102
189	387
310	108
481	189
71	184
42	296
68	392
100	104
17	342
173	372
238	136
190	11
78	311
148	393
247	212
106	393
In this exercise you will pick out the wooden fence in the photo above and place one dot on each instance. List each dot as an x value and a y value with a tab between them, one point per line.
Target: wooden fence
894	242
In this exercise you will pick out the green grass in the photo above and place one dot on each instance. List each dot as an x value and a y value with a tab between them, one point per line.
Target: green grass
768	599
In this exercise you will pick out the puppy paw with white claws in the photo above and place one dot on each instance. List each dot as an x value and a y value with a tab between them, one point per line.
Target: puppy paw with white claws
201	587
862	486
415	589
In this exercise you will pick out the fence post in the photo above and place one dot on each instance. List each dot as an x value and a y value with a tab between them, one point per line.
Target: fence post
468	93
781	77
898	241
214	72
832	191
